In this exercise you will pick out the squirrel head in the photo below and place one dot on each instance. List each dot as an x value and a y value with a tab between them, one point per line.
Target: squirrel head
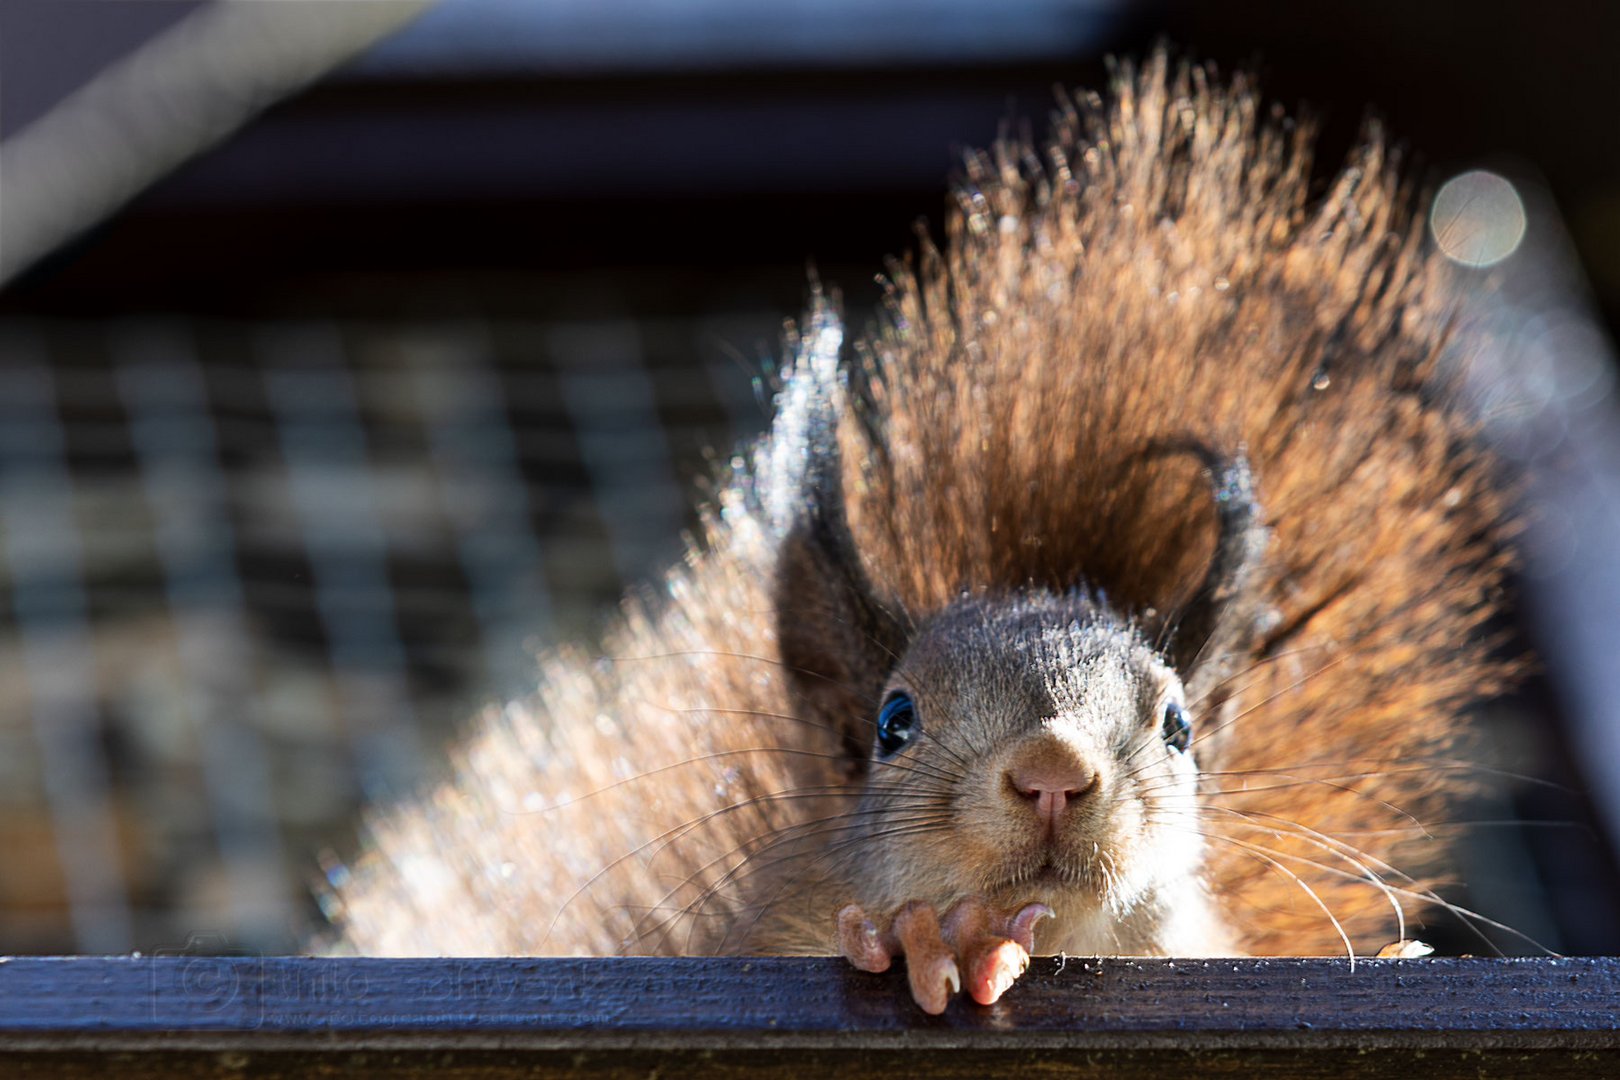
1031	744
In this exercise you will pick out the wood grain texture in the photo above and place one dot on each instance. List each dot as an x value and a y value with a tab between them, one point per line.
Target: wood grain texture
282	1016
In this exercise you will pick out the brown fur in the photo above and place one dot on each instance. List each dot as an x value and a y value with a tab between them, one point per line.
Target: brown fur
1157	273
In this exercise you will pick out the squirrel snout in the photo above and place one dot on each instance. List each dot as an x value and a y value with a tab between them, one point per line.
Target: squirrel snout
1051	786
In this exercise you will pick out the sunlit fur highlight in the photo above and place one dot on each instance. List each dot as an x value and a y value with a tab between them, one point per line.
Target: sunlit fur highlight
1157	270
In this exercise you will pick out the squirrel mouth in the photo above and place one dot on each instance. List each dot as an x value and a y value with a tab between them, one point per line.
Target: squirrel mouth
1050	872
1059	871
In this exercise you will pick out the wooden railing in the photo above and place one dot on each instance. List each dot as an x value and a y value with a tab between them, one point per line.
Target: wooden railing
283	1016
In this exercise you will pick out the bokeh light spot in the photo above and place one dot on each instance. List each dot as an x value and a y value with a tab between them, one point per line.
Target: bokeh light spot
1477	218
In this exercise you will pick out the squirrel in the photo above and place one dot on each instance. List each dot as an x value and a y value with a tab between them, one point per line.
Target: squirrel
1123	591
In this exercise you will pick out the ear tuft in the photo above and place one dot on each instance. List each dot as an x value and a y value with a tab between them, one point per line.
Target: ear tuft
1222	620
838	640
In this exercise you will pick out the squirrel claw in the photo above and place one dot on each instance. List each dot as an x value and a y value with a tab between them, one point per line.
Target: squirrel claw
859	939
986	949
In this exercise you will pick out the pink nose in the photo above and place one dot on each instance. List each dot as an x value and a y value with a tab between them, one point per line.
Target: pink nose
1050	786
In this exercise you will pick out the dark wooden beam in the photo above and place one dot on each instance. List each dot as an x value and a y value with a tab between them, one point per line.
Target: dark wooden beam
276	1016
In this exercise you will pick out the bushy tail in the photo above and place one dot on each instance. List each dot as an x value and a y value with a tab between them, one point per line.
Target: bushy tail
1156	272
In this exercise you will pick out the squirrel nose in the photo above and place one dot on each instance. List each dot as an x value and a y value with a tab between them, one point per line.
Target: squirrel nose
1051	786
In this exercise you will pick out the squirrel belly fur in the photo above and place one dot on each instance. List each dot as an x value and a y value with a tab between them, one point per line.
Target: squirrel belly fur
1123	591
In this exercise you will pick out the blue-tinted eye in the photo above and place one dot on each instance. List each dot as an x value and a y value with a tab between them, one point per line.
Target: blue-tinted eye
897	722
1177	728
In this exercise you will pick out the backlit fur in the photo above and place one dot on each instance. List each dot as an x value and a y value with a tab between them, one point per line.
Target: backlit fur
1157	271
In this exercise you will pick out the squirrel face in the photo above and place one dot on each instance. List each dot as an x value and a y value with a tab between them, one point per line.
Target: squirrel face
1034	747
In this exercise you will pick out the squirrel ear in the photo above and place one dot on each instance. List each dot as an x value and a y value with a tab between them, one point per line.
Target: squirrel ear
838	642
1221	620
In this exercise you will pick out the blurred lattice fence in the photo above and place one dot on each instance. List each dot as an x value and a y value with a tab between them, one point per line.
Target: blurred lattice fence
257	572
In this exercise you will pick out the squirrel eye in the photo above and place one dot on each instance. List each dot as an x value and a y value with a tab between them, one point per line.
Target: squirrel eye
897	722
1177	728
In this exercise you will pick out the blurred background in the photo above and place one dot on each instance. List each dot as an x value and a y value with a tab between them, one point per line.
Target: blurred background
351	351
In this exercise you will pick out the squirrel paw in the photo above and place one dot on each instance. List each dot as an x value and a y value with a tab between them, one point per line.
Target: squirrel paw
973	943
